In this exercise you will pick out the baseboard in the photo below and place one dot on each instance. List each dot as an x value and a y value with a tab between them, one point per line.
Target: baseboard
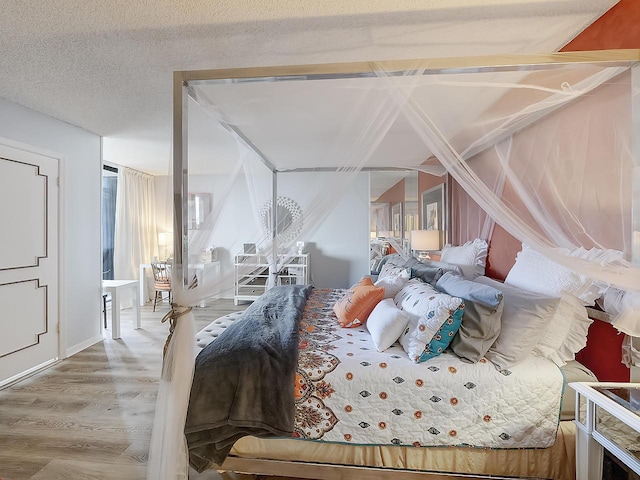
32	371
81	346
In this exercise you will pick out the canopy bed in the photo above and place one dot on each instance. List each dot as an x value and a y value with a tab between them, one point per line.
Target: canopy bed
523	140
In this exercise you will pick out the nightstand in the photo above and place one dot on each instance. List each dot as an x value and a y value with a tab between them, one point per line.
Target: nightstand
607	416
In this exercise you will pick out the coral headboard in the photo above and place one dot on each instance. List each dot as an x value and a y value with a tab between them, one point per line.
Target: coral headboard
603	353
502	253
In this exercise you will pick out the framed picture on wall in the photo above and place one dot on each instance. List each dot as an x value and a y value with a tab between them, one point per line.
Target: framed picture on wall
396	220
433	210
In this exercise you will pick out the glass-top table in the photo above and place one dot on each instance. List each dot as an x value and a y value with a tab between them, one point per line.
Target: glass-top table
607	416
627	396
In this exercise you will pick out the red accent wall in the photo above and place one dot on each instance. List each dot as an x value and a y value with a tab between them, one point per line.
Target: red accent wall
394	195
602	341
618	28
502	253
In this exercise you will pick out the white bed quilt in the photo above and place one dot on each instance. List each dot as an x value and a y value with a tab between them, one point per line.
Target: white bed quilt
348	392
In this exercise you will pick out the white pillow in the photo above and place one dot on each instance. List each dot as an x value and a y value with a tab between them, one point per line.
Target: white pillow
525	316
386	323
566	334
471	257
391	270
535	272
392	282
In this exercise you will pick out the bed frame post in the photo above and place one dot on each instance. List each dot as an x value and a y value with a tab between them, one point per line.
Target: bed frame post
274	226
180	176
635	159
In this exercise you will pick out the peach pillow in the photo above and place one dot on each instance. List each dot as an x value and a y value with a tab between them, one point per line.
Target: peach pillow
354	308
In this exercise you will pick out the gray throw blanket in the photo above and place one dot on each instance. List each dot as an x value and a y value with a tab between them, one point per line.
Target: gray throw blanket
243	381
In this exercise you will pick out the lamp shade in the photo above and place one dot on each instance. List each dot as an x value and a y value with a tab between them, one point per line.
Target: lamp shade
425	239
164	239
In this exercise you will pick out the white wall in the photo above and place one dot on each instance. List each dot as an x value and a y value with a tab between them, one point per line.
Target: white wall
80	292
236	224
339	247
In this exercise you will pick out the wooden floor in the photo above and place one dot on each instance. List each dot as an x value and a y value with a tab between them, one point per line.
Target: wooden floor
90	416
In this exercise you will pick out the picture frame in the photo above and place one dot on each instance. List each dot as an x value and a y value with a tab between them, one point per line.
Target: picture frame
434	211
396	220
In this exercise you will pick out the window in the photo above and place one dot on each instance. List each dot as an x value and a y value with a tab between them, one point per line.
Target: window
109	191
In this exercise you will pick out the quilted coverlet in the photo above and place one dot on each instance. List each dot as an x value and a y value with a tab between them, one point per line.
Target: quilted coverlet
347	392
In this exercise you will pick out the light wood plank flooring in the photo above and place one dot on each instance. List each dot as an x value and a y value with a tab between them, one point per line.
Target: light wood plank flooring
90	416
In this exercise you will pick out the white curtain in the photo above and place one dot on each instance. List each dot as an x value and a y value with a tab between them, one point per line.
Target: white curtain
136	239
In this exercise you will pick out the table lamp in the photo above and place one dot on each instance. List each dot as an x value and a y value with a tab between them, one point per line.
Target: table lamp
423	241
165	239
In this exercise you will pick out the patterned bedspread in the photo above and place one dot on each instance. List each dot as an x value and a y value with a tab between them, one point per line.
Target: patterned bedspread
346	391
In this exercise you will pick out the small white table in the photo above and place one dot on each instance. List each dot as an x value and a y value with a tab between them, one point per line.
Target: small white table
114	287
611	420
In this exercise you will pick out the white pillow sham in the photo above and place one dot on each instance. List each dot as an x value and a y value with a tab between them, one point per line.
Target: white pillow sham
525	316
535	272
386	323
470	257
566	334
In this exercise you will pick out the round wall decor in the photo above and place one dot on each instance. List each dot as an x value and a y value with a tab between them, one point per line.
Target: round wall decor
288	218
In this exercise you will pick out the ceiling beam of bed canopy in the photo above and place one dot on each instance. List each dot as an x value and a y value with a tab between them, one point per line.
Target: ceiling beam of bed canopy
434	66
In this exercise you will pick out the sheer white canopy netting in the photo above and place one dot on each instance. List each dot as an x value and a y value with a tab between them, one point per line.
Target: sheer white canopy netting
544	151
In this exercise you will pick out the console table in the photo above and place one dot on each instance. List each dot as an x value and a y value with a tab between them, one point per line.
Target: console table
115	287
607	416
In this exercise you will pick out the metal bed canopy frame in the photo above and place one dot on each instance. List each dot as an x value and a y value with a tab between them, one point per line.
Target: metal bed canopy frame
183	80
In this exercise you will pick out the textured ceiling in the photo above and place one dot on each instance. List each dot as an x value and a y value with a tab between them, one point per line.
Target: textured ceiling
107	66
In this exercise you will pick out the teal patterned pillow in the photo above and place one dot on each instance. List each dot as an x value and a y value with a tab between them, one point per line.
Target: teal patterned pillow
444	335
434	319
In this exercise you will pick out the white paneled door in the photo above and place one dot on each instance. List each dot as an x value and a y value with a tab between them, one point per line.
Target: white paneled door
29	331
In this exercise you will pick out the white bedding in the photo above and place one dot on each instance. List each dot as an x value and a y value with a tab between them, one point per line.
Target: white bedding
348	392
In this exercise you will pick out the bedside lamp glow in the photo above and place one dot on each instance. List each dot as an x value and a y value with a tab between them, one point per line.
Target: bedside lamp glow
424	241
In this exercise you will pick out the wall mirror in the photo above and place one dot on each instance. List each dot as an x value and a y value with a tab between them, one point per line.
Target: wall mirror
393	204
199	206
406	200
411	216
397	225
